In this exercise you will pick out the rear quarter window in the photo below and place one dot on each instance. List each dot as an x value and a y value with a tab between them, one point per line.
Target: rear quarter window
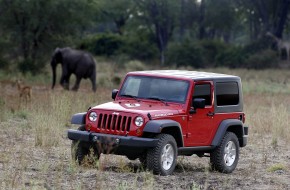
227	93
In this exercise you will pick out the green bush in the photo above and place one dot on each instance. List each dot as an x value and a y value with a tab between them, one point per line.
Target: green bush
256	55
135	47
103	44
140	47
135	65
30	66
262	60
210	49
4	52
257	46
3	63
232	57
186	53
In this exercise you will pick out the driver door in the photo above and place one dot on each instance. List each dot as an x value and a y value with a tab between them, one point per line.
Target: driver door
200	124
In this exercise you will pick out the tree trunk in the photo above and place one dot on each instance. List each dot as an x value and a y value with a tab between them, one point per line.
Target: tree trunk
120	23
162	58
263	14
284	9
161	43
182	20
201	20
25	45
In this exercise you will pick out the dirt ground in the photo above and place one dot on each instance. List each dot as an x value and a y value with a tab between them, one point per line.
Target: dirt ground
26	166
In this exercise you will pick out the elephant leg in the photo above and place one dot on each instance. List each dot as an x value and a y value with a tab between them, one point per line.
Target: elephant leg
77	84
93	80
67	80
64	81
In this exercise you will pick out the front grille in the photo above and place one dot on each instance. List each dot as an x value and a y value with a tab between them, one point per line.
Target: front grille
112	122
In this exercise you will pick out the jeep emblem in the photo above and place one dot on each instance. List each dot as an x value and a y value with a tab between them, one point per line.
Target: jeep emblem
132	105
115	113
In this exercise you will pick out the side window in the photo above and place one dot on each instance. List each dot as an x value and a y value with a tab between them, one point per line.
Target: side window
203	91
227	93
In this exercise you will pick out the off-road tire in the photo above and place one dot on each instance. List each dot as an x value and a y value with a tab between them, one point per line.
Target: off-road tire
225	157
167	148
79	151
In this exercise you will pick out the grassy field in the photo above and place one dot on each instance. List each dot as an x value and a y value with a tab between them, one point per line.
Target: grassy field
35	152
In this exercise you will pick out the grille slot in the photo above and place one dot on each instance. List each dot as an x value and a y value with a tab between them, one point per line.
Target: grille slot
113	123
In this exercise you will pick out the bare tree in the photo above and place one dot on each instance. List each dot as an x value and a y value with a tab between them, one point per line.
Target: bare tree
160	15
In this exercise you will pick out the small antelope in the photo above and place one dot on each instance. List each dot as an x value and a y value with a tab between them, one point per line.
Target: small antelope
25	92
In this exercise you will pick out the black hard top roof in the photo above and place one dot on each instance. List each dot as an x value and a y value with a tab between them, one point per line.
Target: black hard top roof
195	75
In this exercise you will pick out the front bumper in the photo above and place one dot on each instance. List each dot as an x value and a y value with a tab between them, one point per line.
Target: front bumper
113	140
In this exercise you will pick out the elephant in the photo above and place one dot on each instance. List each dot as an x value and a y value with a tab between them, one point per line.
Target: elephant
77	62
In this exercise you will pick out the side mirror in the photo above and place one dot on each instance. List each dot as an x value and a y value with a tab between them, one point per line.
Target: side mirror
114	93
197	103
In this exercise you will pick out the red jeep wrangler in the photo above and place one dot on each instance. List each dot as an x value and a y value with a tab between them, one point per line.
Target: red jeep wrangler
158	115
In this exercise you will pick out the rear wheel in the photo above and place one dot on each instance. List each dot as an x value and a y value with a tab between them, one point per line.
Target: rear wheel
225	156
162	158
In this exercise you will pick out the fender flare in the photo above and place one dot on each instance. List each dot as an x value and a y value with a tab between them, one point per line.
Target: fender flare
223	128
79	118
156	126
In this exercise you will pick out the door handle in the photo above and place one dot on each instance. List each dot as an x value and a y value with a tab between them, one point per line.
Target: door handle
210	114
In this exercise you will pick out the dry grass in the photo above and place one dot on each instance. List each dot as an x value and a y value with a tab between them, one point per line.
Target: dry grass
35	152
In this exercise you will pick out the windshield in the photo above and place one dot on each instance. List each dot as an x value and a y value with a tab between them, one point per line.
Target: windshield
155	88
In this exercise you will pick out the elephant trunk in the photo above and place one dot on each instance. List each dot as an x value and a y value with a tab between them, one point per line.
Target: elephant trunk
53	75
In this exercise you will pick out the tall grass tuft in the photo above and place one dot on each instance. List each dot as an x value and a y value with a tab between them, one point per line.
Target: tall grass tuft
51	114
268	116
49	119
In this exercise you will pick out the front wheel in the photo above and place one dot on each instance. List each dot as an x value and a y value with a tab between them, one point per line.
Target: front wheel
225	156
79	150
162	158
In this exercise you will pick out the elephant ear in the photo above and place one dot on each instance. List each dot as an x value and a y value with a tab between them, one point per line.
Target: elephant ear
56	50
57	55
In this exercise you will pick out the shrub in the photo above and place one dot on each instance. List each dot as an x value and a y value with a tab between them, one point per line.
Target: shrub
135	66
210	49
257	46
28	65
184	54
140	46
102	44
231	57
3	63
262	60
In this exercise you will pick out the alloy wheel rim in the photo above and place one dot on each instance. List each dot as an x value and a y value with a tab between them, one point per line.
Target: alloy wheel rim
167	156
230	153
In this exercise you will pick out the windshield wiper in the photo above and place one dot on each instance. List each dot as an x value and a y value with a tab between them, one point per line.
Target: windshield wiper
159	99
130	96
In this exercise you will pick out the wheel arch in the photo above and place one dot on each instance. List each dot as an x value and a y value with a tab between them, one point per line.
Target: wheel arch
230	125
79	118
238	131
166	126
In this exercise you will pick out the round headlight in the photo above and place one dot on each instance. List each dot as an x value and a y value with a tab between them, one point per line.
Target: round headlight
93	116
139	121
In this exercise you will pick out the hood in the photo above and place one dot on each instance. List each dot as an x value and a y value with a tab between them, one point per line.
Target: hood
156	109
